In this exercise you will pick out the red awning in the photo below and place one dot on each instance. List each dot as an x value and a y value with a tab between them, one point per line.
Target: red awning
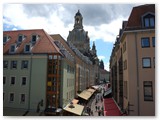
111	108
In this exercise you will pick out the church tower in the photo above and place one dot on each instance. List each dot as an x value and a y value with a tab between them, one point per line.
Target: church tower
78	37
78	21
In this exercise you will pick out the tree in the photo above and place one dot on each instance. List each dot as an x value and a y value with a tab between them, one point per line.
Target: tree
101	64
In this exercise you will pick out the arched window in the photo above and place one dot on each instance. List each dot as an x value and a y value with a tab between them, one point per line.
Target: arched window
77	20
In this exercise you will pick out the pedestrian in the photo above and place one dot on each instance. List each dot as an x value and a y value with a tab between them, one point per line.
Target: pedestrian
101	99
102	108
98	96
96	102
91	113
99	112
102	113
89	110
96	107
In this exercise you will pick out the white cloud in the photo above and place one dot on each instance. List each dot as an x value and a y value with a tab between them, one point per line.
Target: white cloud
106	32
106	66
101	57
14	15
14	29
54	25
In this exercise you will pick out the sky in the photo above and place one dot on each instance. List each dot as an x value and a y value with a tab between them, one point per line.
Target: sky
102	21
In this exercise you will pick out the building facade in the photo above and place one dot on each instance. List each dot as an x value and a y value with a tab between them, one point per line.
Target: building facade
42	71
84	76
132	63
35	71
103	76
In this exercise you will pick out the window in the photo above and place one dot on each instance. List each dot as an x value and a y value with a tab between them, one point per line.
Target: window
124	47
27	48
11	97
67	95
5	64
125	89
5	39
49	88
54	88
50	57
145	42
24	64
153	41
12	48
3	96
24	80
34	38
67	82
148	93
20	38
154	61
22	98
146	62
13	64
55	57
125	65
152	21
67	68
149	20
4	80
13	80
146	22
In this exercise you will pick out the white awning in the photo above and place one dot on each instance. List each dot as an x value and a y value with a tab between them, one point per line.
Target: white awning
86	94
95	87
74	108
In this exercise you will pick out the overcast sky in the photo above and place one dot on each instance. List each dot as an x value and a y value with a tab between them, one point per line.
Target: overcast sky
102	21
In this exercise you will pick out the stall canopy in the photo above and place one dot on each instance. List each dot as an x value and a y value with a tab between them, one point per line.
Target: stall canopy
86	94
111	108
95	87
74	108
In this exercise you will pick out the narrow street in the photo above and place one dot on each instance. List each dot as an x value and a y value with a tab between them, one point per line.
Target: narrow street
97	105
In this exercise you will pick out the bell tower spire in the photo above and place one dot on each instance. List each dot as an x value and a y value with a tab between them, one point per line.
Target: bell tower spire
94	51
78	21
93	46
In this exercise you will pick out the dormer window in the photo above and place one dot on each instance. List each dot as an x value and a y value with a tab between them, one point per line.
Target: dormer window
5	39
34	38
20	38
27	48
12	48
149	20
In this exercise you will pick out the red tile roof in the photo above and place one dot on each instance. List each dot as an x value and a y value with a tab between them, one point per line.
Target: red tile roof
135	21
44	44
